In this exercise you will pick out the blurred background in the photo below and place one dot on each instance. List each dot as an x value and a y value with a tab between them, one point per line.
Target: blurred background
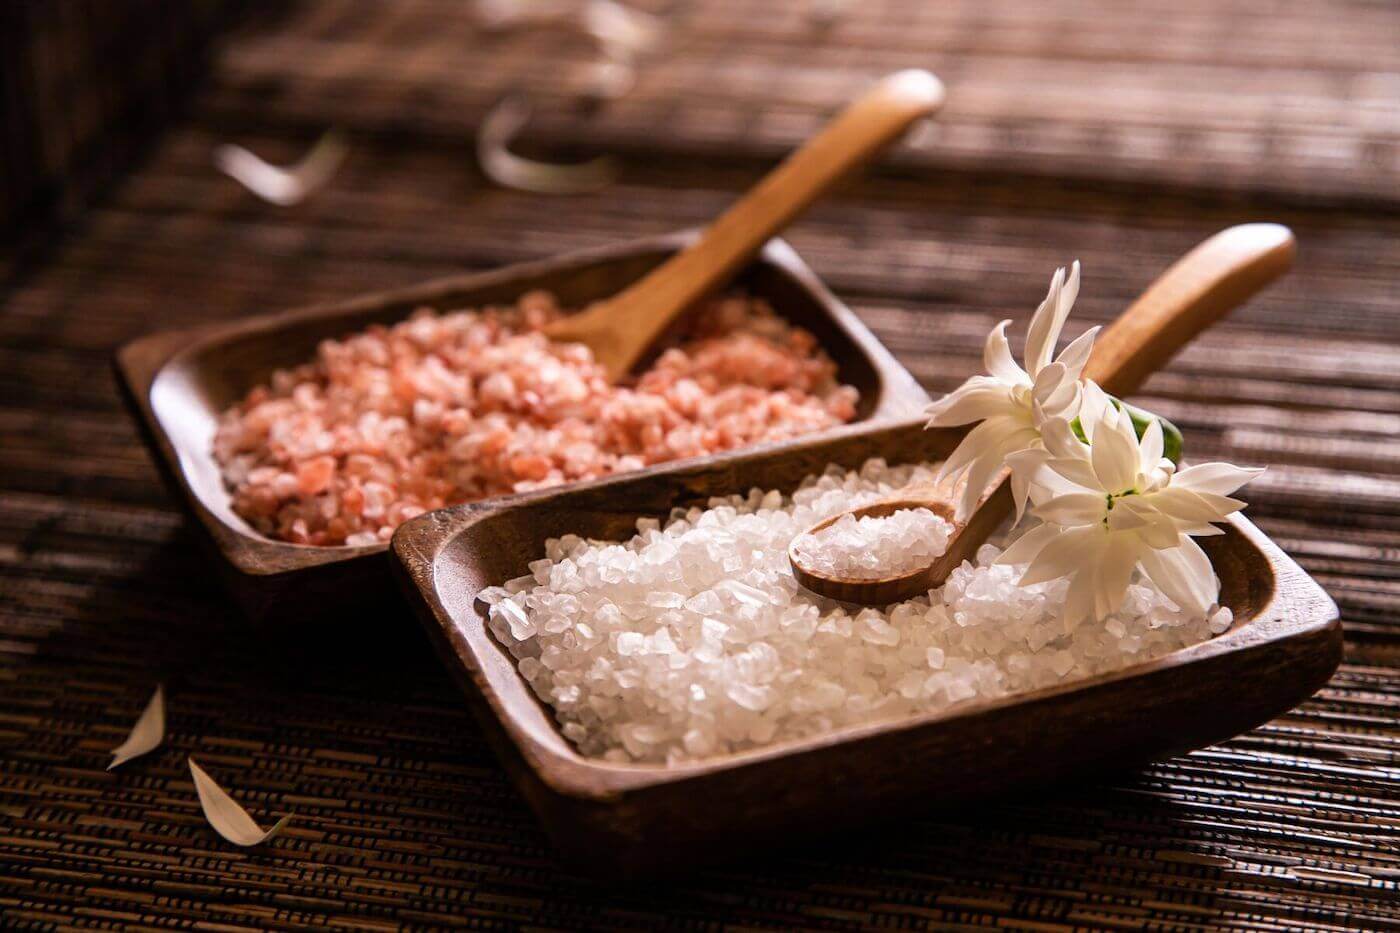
168	164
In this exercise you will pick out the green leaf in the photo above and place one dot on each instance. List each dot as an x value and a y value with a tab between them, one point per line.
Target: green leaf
1172	441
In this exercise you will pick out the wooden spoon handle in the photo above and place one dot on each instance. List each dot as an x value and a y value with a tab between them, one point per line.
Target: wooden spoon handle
640	313
1198	290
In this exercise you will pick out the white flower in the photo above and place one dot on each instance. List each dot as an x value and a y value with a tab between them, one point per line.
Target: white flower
1011	402
1115	504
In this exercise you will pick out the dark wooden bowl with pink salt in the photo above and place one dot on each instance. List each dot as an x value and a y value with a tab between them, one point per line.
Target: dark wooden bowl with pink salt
177	384
629	820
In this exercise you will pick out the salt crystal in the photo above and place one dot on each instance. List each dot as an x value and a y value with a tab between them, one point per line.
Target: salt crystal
749	696
749	595
665	600
762	731
385	424
961	689
875	629
492	595
716	649
698	743
713	628
1221	620
521	627
869	548
630	643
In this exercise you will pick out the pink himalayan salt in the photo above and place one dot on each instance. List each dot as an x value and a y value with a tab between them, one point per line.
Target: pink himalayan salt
446	408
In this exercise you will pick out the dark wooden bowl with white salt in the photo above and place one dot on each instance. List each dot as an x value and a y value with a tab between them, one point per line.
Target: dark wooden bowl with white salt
176	385
627	820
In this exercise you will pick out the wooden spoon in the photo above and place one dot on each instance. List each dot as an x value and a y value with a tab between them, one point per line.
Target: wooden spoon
1193	294
622	328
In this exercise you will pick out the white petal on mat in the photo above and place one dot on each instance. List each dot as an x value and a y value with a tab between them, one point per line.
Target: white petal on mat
224	814
823	14
509	170
621	31
604	80
285	186
512	14
146	735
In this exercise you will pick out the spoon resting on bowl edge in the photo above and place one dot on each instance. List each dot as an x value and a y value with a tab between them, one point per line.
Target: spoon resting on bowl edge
621	329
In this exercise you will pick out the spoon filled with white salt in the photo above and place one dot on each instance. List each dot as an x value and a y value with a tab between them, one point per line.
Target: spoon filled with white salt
870	554
881	553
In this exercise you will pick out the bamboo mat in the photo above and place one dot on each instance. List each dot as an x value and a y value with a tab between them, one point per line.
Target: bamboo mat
402	815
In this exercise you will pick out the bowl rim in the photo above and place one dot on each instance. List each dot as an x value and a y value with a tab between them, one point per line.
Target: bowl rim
1296	606
140	365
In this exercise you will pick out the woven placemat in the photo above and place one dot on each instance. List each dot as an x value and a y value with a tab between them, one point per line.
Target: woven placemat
402	816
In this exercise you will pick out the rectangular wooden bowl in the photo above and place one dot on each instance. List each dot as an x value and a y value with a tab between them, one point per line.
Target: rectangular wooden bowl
177	383
629	820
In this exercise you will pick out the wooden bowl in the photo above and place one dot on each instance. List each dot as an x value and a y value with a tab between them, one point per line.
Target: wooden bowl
177	383
628	820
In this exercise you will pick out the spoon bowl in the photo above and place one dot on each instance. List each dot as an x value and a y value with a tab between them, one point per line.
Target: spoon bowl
889	588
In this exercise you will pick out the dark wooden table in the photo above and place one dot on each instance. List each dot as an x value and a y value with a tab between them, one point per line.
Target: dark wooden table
1120	134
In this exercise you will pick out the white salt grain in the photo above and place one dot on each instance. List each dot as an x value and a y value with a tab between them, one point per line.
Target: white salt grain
1221	621
872	548
692	639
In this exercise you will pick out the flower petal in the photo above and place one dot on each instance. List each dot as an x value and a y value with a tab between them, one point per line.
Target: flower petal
1028	546
1070	550
1026	468
1219	478
1048	381
976	399
1093	403
1192	507
224	814
1184	574
1079	601
147	734
1114	454
1075	470
1200	531
1060	440
1114	572
1055	394
996	356
1045	329
494	135
981	471
1070	294
1150	447
1075	508
1152	528
1077	353
975	444
1125	519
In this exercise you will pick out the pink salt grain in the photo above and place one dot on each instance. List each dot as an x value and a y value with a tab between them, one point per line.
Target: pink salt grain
445	408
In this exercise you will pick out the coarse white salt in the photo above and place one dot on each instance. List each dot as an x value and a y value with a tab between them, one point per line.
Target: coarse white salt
1221	620
692	638
873	548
